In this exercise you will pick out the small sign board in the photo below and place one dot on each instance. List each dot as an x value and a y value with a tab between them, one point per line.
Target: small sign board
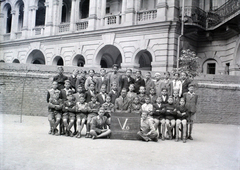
125	126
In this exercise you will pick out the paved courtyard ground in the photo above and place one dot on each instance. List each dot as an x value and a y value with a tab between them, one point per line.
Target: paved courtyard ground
28	146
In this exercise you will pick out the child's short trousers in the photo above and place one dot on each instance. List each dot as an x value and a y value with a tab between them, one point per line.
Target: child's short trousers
51	115
81	116
65	115
58	115
72	116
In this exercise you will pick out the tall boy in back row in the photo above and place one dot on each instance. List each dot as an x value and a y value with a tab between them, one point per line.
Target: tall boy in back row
191	104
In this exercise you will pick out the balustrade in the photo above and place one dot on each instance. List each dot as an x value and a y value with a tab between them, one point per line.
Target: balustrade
146	15
39	30
112	20
82	25
64	27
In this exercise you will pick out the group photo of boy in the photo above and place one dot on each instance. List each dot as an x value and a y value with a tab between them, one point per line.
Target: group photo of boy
165	103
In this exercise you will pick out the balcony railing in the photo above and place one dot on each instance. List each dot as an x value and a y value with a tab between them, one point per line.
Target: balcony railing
210	19
65	27
112	20
6	37
147	15
82	25
39	30
195	15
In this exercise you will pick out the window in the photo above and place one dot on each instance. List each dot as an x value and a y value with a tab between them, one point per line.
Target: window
211	68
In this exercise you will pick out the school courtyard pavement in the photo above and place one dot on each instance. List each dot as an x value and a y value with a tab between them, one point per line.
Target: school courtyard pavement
27	146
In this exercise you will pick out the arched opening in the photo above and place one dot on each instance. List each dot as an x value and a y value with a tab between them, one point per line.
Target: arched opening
84	9
210	66
78	61
58	61
108	56
143	60
113	6
16	61
20	6
40	13
66	11
36	57
9	18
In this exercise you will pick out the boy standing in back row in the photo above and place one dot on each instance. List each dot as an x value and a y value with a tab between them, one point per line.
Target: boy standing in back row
191	104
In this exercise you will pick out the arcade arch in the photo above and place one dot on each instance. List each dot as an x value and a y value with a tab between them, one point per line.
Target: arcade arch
8	19
210	66
84	9
143	60
36	57
58	60
20	14
66	11
108	56
78	61
16	61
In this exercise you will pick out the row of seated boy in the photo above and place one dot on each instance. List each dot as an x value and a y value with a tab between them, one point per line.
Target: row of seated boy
83	107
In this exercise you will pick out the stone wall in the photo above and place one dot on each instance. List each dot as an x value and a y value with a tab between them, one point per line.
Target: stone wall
23	89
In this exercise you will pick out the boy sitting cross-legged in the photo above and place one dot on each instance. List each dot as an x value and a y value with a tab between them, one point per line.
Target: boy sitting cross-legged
93	108
69	107
99	124
81	114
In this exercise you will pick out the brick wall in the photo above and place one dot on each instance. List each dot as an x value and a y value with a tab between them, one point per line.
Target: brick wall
217	103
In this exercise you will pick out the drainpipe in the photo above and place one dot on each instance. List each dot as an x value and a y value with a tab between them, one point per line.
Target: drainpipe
182	30
169	28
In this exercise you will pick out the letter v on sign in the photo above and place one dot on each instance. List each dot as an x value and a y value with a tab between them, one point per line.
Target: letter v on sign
124	124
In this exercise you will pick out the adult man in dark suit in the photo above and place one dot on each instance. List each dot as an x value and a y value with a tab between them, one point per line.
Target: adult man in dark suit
127	79
122	104
103	79
138	81
115	77
73	80
60	78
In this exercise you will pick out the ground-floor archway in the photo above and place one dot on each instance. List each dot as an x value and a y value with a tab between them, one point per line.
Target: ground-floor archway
210	66
143	60
16	61
58	60
78	61
36	57
108	56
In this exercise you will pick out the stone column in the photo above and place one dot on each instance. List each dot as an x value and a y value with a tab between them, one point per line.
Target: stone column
130	13
72	17
14	26
56	16
25	21
49	19
2	27
103	11
32	18
162	10
124	3
92	15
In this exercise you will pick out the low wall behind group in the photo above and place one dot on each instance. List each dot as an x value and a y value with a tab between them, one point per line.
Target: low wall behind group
23	90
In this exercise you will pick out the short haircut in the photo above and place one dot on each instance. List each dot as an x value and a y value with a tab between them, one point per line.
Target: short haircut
91	70
115	65
91	84
123	89
60	68
164	89
139	72
54	82
157	74
129	70
67	81
176	73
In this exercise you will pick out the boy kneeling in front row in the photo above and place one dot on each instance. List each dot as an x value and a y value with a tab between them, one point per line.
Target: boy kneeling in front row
99	124
147	131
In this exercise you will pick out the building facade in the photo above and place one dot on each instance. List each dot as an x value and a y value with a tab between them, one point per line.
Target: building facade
140	34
